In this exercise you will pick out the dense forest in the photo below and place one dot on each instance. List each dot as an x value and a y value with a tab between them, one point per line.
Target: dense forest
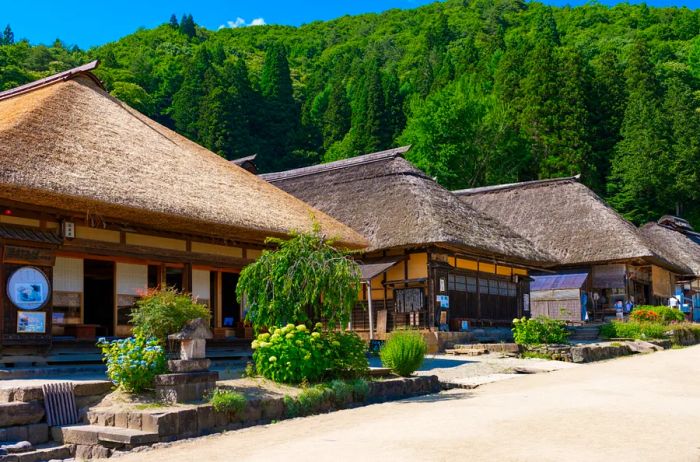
486	91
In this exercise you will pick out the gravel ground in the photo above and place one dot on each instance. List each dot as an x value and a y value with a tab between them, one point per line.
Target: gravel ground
639	408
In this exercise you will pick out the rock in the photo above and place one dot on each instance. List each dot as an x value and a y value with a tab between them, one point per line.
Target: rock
20	413
272	408
134	420
189	365
22	446
640	346
163	423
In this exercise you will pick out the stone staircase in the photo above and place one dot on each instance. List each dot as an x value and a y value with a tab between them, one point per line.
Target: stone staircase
584	333
24	434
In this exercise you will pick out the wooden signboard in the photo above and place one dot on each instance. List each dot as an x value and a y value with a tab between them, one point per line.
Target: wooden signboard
28	255
609	276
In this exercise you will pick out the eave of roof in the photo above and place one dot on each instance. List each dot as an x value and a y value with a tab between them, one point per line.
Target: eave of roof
522	184
336	165
85	69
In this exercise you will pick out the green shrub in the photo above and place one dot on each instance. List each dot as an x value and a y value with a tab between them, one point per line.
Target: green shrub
228	401
342	392
538	331
666	313
293	354
404	352
161	312
133	363
635	330
348	354
310	400
360	390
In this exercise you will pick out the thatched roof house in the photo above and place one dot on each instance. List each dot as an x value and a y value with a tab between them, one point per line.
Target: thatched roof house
65	143
565	217
395	205
674	246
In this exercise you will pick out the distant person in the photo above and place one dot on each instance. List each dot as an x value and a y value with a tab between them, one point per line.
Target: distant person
629	306
673	302
619	313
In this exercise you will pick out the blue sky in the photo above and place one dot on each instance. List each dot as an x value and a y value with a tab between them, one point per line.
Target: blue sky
88	23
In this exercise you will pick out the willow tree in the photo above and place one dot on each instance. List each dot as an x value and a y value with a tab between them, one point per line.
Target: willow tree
305	279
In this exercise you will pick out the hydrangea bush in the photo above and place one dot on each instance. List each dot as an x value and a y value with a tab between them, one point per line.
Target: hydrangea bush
292	354
133	362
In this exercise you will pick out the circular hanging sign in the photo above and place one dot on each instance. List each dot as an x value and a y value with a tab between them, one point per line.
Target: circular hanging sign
28	288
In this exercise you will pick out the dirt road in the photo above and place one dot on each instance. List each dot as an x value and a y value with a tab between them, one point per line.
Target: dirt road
642	408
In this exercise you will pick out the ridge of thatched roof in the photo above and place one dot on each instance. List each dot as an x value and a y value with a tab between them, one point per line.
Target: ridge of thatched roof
394	204
67	144
567	218
673	246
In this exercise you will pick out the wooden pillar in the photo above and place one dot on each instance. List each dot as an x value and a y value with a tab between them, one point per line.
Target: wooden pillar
369	308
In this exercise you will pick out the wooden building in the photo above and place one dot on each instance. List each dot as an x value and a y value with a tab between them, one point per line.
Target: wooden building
679	245
99	203
585	235
433	262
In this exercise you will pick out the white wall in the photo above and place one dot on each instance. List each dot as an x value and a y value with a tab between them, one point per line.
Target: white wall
201	284
68	275
132	279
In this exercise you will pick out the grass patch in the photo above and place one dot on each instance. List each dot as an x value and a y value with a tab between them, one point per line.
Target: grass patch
635	330
227	401
156	405
535	355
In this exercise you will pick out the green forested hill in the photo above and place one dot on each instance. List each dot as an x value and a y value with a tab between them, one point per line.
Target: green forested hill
487	91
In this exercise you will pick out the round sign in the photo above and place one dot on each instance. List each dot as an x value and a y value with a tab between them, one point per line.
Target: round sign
28	288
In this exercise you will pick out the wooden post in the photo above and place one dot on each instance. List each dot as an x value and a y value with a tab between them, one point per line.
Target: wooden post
369	308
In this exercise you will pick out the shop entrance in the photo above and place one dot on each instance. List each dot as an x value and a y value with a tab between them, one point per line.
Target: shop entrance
230	309
99	295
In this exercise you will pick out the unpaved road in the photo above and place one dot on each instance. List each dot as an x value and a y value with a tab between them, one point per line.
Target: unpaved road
641	408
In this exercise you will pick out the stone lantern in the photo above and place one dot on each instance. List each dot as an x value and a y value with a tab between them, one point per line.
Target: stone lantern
190	378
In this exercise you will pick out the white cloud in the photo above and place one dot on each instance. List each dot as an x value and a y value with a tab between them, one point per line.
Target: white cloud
240	22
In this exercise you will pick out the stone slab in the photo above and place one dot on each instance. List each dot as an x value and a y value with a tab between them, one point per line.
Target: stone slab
189	365
186	377
20	413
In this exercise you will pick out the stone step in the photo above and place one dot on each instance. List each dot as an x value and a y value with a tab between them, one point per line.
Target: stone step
466	351
37	433
27	393
19	413
108	436
48	452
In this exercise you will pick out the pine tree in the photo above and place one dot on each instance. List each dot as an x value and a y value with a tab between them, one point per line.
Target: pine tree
539	100
369	119
8	37
336	118
187	25
637	184
606	107
280	114
680	107
173	22
187	101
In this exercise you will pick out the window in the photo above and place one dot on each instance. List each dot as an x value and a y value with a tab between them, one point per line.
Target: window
456	282
483	286
493	287
471	285
503	288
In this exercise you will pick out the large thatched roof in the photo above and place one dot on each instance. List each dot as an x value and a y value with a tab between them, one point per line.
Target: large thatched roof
566	218
394	204
67	144
673	246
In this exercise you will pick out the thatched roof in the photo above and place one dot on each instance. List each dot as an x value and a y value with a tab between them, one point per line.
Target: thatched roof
67	144
394	204
566	218
673	246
